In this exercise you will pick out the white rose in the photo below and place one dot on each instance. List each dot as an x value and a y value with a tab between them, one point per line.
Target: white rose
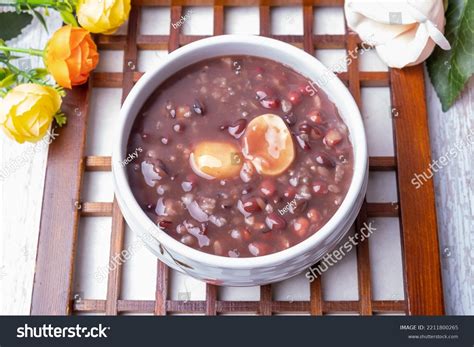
404	32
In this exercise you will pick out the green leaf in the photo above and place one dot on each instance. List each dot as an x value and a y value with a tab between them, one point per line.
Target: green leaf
450	70
39	73
11	24
69	18
41	19
3	73
8	81
60	119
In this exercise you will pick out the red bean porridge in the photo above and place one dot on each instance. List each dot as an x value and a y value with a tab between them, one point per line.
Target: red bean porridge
239	157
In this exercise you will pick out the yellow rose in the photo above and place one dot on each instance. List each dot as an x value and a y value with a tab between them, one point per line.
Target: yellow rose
27	111
104	16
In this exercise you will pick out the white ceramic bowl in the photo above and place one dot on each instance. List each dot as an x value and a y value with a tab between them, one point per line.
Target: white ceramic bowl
255	270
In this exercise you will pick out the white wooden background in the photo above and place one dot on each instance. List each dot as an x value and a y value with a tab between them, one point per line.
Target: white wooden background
21	192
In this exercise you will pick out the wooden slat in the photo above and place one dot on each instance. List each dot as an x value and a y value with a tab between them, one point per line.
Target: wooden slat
321	3
329	41
380	209
110	42
265	305
265	26
115	79
107	79
118	222
374	78
173	42
211	298
115	274
218	20
130	56
382	164
162	273
96	209
363	265
153	42
59	216
418	212
159	42
173	306
308	43
97	163
316	296
161	292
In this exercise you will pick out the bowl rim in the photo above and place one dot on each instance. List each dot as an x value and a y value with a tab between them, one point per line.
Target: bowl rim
129	109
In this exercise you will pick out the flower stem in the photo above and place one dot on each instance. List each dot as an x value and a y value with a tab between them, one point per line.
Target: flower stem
23	4
30	51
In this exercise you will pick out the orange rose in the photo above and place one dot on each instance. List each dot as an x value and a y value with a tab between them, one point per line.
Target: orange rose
71	55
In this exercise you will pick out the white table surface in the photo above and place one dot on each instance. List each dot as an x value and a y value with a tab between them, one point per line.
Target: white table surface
21	192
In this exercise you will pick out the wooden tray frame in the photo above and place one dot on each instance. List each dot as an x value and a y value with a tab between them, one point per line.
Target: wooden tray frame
62	206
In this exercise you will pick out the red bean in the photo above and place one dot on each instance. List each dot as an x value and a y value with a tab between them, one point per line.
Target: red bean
289	193
332	138
304	128
218	248
324	159
314	216
317	132
181	229
270	103
275	222
251	205
303	141
283	243
294	97
320	188
159	167
301	206
312	131
267	99
267	187
188	240
300	227
315	117
165	224
237	128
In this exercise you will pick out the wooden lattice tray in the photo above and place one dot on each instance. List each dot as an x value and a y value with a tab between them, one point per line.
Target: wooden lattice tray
64	265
